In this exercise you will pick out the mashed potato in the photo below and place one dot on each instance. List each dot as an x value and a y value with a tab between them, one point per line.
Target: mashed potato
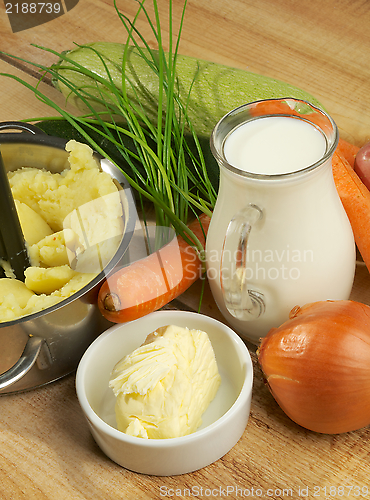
72	224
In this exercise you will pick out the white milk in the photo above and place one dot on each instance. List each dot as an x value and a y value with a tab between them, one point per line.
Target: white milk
274	145
302	249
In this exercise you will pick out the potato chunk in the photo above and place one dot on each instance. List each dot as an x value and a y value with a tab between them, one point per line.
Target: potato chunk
34	227
58	249
47	280
14	290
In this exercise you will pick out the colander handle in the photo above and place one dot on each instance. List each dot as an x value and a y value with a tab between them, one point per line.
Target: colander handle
24	364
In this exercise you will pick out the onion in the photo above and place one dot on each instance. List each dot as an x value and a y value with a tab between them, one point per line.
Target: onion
317	365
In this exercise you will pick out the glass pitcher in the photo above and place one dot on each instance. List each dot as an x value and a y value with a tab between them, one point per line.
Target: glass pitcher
279	236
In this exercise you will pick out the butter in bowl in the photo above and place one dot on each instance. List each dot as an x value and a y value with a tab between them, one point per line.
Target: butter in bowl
213	403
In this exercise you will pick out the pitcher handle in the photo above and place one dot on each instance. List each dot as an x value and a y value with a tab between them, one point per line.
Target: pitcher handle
241	302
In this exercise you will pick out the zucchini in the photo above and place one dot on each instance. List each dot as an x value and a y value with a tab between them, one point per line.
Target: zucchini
217	89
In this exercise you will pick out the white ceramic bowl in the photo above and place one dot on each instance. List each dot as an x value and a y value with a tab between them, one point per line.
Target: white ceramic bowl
223	422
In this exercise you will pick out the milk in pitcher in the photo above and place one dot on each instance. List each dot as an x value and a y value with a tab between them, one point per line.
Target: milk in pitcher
279	236
274	145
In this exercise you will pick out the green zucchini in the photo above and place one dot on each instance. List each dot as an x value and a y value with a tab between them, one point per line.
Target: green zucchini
217	89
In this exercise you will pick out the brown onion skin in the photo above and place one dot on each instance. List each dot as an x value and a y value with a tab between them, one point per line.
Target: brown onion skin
317	366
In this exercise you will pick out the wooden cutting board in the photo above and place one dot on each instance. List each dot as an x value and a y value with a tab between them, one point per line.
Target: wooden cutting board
322	47
46	450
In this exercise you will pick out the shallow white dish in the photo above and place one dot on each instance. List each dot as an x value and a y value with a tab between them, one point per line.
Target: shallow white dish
223	422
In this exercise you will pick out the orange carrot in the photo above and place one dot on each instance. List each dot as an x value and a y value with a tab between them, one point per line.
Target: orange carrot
150	283
281	107
348	150
356	202
270	107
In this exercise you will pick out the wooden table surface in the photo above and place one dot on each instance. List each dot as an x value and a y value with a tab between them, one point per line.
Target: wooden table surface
46	450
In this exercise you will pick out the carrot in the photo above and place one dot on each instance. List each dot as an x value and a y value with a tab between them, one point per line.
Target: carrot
270	107
282	107
348	150
150	283
356	202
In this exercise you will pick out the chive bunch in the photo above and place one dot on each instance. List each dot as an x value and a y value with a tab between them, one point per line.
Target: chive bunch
160	147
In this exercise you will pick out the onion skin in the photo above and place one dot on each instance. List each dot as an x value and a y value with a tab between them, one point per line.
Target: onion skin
317	366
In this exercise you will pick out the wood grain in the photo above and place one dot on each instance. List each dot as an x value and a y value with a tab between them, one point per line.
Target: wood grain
46	450
320	46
